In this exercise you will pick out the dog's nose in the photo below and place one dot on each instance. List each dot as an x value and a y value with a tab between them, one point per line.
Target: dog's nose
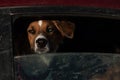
41	43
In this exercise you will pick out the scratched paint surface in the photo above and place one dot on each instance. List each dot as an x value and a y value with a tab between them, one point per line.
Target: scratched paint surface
5	47
63	66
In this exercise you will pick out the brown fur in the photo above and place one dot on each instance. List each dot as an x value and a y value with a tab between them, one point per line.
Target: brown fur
61	29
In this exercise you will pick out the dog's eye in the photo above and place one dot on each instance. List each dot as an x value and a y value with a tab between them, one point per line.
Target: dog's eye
50	29
31	31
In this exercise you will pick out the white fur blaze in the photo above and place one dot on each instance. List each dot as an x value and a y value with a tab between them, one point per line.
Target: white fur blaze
40	23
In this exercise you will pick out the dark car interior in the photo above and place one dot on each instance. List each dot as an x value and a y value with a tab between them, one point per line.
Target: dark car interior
92	34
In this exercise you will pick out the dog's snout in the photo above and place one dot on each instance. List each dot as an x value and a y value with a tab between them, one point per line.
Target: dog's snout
41	43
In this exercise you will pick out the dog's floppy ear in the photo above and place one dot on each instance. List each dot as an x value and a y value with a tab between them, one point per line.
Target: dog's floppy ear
65	27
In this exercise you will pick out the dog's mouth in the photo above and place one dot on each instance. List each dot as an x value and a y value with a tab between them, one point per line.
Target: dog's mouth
42	50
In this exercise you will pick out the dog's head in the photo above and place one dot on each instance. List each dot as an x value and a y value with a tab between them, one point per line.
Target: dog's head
46	35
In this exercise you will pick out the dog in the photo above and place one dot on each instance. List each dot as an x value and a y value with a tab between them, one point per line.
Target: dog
45	35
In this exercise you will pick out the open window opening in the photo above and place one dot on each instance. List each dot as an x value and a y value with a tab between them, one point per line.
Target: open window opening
91	34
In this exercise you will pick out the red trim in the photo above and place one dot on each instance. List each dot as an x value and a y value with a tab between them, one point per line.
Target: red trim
87	3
